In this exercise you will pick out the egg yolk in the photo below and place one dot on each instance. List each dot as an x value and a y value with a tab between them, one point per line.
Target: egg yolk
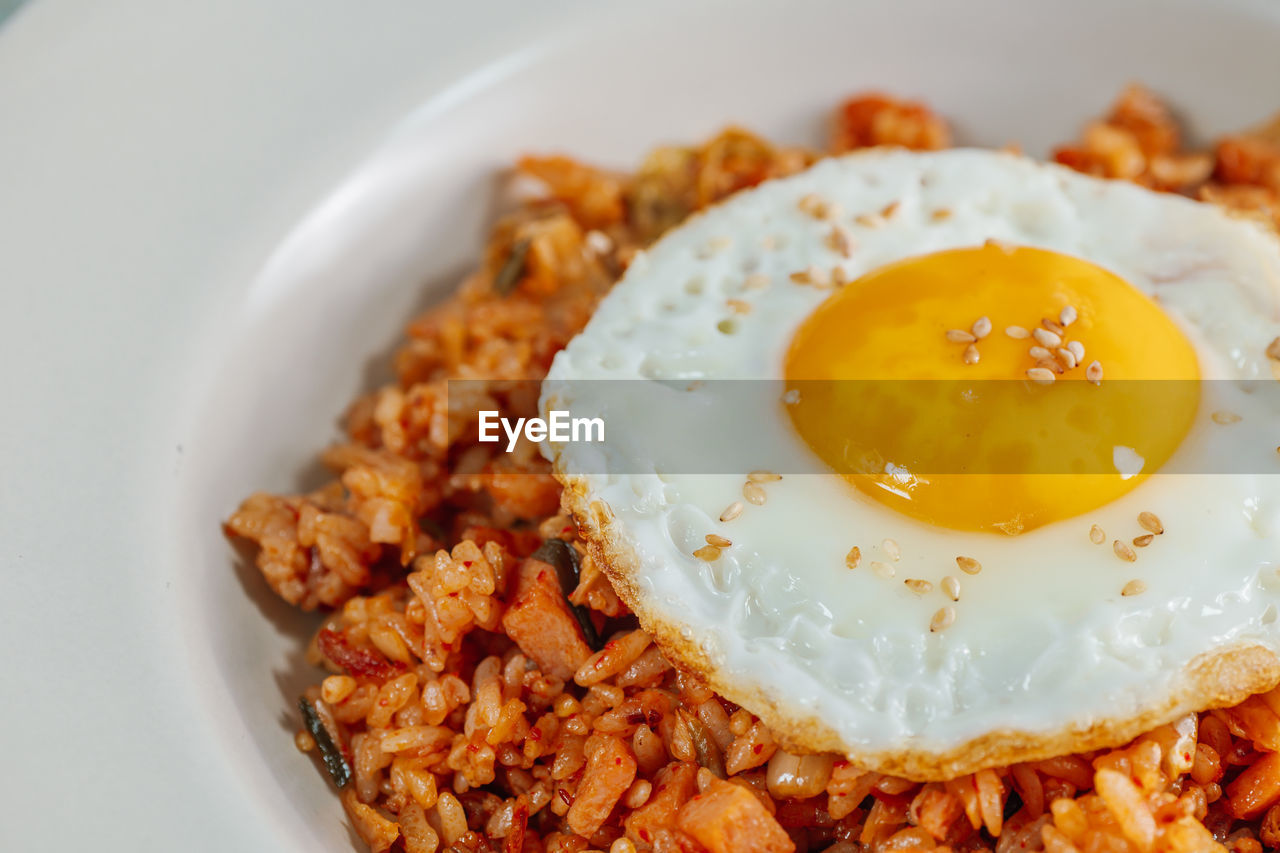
1002	439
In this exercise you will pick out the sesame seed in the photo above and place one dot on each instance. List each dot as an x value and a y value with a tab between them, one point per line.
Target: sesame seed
960	336
854	557
1077	349
971	355
1067	357
1143	541
1052	325
1273	350
1039	353
968	565
1226	418
1134	587
1051	364
892	549
1046	338
1149	521
838	277
890	209
761	476
813	275
840	240
883	570
951	586
940	214
1123	551
918	586
737	306
981	327
1097	535
869	220
942	620
754	493
993	243
718	541
1041	375
1094	372
719	244
755	281
1016	332
732	511
814	205
707	553
1068	315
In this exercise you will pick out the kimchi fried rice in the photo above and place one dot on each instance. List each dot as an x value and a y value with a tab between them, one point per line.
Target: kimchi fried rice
487	690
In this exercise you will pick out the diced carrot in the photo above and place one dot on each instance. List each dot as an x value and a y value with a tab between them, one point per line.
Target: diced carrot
540	622
610	770
728	819
672	788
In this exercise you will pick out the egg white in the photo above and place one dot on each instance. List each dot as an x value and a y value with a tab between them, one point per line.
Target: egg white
1043	643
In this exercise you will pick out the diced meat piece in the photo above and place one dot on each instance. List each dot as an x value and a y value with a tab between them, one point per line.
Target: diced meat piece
672	788
539	620
1256	789
357	661
728	819
610	770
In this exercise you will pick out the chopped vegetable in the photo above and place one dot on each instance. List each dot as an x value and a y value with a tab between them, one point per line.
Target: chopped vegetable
334	762
562	557
672	788
709	753
512	269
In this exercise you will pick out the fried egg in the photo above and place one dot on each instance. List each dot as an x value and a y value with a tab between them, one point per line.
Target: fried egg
925	582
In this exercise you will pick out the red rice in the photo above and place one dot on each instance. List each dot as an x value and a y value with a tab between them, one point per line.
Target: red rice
461	691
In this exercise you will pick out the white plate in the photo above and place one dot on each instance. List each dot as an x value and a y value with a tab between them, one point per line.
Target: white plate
214	222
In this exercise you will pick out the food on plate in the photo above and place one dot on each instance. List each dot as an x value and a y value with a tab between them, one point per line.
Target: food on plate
487	687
